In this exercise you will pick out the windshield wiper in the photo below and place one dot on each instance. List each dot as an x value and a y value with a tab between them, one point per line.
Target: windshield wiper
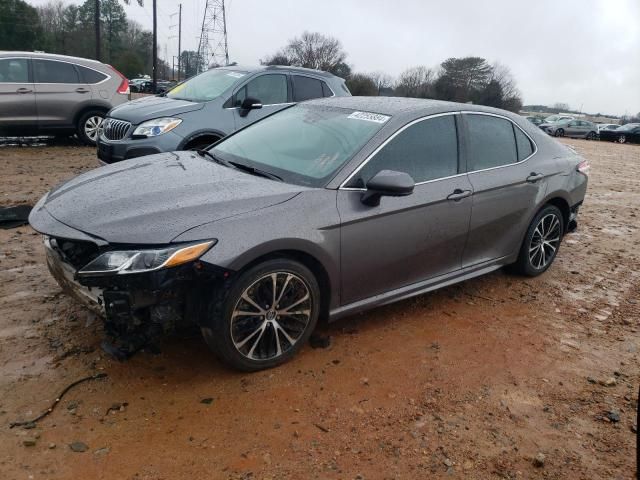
256	171
207	153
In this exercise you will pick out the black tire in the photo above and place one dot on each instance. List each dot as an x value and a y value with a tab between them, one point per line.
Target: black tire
530	265
622	139
87	129
559	133
263	347
591	136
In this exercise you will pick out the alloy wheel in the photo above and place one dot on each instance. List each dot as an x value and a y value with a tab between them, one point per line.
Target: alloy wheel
271	315
622	139
544	241
92	127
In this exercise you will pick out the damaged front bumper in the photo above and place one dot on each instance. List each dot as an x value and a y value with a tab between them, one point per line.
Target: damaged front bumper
138	309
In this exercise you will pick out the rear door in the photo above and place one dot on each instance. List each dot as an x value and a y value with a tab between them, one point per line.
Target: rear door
406	239
270	89
508	180
17	97
307	88
59	90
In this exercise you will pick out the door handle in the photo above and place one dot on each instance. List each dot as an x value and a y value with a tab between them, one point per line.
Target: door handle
534	177
458	195
82	90
24	90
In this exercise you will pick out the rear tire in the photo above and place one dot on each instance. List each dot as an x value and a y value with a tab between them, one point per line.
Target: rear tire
88	127
541	242
253	326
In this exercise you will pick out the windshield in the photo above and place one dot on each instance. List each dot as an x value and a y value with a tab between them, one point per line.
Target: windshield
206	86
304	144
629	126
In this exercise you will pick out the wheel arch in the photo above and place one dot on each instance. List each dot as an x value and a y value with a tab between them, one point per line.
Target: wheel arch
87	108
563	206
309	260
214	134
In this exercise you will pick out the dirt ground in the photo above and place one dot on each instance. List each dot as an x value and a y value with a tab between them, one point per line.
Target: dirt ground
472	381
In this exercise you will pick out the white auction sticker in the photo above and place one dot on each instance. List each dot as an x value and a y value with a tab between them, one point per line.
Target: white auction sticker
369	117
235	74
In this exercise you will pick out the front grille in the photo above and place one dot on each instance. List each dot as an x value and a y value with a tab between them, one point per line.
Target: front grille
114	129
76	252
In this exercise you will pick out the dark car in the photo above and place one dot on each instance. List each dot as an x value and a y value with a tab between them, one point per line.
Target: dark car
324	209
207	107
629	133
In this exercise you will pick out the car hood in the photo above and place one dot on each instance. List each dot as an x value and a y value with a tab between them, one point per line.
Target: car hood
148	108
152	200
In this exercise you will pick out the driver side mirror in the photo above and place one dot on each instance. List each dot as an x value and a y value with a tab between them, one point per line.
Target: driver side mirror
249	104
388	183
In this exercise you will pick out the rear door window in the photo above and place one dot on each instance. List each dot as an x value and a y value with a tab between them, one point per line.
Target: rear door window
14	70
491	142
51	71
306	88
427	150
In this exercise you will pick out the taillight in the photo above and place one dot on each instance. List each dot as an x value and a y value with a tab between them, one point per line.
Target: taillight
123	89
584	167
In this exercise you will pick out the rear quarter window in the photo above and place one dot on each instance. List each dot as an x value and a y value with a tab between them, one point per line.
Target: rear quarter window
525	147
306	88
88	75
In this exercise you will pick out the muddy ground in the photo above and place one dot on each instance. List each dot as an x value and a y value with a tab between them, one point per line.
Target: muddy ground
472	381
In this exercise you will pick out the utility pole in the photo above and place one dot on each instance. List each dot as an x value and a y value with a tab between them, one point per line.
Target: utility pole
213	48
155	47
179	36
96	21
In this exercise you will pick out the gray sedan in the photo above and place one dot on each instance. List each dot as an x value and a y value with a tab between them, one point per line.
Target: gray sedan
322	210
572	128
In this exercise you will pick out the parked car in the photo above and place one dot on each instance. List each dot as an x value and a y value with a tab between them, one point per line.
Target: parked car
572	128
535	120
207	107
44	94
629	133
558	118
607	126
324	209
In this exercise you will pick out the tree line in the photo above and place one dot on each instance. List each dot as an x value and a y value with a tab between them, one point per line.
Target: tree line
467	79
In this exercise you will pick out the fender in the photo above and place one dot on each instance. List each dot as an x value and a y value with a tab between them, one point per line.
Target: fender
200	133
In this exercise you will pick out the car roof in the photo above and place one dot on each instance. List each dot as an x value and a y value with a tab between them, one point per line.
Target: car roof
405	107
260	68
52	56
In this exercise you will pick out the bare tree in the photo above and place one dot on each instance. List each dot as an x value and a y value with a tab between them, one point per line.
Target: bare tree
382	80
560	107
416	82
312	50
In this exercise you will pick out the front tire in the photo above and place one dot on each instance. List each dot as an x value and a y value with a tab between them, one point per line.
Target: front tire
265	316
559	132
622	139
591	136
88	127
541	242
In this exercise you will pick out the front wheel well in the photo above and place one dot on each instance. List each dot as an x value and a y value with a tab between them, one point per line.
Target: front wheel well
313	264
207	138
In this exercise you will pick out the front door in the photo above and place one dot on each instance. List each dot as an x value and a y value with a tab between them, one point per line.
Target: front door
271	90
507	182
408	239
17	97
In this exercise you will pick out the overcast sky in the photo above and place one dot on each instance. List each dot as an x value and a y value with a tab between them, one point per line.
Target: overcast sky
581	52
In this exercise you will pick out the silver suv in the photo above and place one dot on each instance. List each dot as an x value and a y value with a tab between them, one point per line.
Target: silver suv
207	107
45	94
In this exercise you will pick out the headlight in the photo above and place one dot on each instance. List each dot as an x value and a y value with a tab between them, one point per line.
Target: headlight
153	128
120	262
